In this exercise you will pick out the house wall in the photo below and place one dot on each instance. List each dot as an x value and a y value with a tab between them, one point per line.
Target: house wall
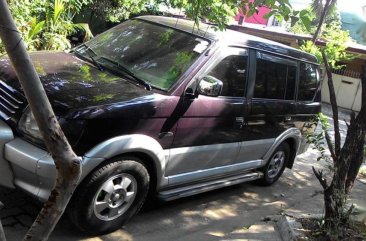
347	89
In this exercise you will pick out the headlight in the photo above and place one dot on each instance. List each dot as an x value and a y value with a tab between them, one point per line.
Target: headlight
73	129
28	125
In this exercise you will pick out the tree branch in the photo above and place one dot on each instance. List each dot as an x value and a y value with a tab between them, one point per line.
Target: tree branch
319	176
363	91
330	146
333	102
321	21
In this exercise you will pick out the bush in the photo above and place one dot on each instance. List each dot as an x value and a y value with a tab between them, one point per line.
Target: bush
44	24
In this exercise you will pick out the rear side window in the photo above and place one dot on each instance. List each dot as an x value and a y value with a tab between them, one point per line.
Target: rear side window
275	77
308	82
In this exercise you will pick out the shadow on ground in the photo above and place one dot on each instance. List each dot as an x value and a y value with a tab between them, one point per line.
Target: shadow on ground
224	214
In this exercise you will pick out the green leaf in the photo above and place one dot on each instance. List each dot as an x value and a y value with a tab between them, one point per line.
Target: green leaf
294	20
59	7
84	27
36	28
304	12
306	21
269	14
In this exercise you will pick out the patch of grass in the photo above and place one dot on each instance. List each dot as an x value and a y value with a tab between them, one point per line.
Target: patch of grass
362	229
314	230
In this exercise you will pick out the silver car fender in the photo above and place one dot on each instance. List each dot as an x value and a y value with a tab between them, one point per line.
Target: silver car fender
126	144
292	133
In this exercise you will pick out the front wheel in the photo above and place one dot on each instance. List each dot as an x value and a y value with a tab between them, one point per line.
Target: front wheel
109	196
276	165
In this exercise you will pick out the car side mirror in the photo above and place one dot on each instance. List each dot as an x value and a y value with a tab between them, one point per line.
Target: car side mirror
209	86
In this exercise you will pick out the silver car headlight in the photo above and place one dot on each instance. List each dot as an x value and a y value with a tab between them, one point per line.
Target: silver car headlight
28	125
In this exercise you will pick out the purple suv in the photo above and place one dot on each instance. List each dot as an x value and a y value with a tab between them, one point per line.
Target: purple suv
156	106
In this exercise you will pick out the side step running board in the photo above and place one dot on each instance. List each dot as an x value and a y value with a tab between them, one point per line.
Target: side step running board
208	186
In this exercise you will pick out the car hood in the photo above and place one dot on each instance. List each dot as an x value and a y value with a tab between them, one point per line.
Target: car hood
71	83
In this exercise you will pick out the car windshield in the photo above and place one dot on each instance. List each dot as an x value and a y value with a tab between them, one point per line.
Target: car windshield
156	54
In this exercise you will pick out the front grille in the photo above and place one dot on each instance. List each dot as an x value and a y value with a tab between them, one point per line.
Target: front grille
11	101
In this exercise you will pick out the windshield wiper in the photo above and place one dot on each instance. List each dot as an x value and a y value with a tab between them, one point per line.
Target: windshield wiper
128	72
90	53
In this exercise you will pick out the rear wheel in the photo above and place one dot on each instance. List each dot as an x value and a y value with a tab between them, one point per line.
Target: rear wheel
276	165
110	196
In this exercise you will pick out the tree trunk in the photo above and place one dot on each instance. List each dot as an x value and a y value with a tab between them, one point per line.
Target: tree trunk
67	163
334	104
333	206
347	163
321	20
2	234
355	140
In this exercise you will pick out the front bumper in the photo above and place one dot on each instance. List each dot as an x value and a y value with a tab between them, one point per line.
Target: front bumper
6	173
31	168
24	165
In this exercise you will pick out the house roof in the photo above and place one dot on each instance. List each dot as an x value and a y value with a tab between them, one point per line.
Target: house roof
277	34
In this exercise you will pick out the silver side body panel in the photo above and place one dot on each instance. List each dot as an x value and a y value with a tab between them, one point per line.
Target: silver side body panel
190	159
201	175
32	169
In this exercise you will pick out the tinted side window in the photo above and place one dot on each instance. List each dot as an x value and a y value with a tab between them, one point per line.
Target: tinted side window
275	77
308	82
290	83
232	72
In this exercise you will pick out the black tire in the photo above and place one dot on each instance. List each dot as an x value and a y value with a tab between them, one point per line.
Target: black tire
97	207
271	176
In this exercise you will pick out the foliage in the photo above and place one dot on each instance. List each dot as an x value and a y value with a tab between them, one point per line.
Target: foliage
115	10
299	28
215	11
337	44
45	25
335	48
332	19
317	138
317	8
221	12
282	10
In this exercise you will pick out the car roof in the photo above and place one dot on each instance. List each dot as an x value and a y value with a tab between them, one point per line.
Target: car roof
230	37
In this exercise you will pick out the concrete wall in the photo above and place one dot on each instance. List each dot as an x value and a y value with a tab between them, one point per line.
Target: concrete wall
348	91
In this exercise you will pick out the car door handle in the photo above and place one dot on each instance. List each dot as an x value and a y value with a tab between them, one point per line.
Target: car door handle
287	118
239	120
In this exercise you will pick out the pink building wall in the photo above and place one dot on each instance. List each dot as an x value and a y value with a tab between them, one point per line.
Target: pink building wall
256	18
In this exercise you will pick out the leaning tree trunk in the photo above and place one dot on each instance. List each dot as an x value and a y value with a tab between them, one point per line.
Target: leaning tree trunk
66	161
2	234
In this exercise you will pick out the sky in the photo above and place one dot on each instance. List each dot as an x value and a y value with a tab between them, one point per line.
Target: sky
354	6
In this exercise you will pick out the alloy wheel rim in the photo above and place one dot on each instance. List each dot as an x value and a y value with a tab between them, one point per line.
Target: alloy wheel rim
276	164
115	196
